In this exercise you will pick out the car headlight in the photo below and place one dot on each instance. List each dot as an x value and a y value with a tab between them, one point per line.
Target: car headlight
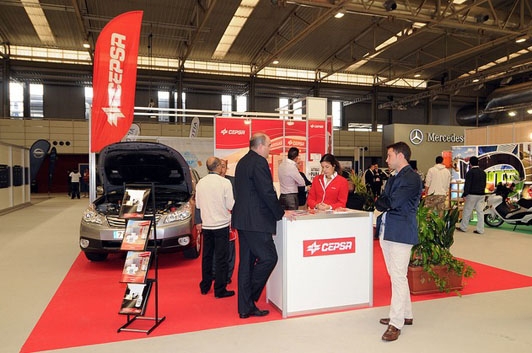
180	214
91	216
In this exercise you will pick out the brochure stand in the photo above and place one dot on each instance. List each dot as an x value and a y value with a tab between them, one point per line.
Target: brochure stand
154	282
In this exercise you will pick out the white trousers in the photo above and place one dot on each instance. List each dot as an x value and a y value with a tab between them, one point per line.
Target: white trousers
397	257
475	202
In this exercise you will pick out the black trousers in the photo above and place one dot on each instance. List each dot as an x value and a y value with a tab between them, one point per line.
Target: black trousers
75	190
214	241
258	257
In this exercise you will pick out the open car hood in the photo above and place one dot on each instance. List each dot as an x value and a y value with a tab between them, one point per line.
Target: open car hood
143	163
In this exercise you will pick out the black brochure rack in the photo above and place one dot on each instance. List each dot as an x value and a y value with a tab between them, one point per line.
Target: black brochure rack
157	320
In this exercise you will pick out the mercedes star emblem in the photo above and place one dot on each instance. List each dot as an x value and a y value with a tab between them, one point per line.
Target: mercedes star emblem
416	136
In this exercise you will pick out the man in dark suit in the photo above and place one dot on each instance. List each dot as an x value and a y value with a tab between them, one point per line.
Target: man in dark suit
255	214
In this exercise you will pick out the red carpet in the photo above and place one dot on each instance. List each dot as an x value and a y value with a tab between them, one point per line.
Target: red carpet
84	310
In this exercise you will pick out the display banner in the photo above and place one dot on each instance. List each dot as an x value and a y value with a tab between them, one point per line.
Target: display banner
38	152
114	79
316	139
194	127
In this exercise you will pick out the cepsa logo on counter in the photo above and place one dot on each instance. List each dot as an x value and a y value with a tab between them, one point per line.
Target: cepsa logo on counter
322	247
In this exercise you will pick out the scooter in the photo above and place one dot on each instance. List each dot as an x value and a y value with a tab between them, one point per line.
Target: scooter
498	211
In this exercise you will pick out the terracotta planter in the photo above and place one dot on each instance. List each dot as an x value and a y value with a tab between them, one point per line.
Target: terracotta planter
421	282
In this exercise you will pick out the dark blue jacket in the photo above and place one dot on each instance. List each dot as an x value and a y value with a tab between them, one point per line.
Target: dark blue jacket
256	208
400	201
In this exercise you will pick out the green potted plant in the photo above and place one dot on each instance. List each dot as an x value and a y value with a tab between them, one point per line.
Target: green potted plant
367	199
432	266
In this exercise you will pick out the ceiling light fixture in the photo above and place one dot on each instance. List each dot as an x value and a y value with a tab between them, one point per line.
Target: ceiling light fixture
512	113
86	45
521	39
275	61
339	14
529	111
39	21
417	75
240	17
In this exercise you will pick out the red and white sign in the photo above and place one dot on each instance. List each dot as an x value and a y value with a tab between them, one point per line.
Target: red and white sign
231	133
274	129
323	247
114	79
316	137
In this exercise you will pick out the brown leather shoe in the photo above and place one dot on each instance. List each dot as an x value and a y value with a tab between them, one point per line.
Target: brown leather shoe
391	334
386	321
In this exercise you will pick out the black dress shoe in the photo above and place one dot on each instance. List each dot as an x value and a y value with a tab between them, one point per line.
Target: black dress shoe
256	312
227	293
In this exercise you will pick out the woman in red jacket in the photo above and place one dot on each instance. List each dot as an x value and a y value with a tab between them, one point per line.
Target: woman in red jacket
329	189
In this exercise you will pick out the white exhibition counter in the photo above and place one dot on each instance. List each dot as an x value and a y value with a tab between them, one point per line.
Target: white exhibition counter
325	263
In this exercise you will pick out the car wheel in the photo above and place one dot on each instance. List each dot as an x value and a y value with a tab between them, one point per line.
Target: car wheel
96	256
194	251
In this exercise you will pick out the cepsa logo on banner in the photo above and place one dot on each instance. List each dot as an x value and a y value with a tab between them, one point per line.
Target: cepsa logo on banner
322	247
231	133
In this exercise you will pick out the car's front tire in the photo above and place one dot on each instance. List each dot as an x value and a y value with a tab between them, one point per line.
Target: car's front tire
96	256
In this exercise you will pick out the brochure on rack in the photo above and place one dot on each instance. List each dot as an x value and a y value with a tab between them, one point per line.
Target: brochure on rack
136	235
136	267
136	298
134	203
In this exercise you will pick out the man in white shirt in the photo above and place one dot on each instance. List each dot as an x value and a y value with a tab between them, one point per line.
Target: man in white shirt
74	177
437	185
289	180
214	198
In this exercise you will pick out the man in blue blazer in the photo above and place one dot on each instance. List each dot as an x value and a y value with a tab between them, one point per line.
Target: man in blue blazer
398	232
255	215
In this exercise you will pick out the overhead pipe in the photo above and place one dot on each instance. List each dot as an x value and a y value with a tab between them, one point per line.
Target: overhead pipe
509	96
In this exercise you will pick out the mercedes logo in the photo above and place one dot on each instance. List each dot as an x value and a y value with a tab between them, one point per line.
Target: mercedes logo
416	136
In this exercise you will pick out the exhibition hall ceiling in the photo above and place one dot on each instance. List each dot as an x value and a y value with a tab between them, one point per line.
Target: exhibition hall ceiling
446	45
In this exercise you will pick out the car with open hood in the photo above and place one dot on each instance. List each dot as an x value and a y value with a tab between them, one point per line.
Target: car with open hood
150	165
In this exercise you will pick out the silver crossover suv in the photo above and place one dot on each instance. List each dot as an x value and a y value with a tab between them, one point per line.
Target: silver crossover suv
142	163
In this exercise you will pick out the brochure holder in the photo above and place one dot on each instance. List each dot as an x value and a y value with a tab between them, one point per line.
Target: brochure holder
144	191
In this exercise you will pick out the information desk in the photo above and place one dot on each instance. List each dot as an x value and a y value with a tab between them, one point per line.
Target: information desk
325	263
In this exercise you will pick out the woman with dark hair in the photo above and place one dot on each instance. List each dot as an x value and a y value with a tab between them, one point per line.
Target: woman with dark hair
329	189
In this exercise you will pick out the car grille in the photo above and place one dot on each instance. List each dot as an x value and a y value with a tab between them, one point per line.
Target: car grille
116	222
